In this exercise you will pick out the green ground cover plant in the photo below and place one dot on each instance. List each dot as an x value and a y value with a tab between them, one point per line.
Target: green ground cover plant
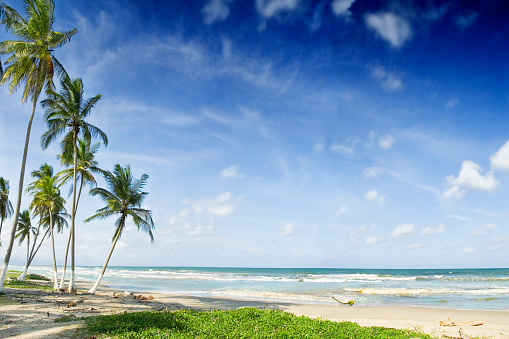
13	283
241	323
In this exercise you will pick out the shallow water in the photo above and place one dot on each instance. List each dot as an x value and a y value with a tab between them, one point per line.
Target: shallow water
479	289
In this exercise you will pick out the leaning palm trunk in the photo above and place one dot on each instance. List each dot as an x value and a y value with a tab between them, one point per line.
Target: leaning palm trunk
18	203
32	256
62	280
72	284
98	282
55	276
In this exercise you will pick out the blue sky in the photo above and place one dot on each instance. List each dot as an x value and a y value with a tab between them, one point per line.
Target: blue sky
287	133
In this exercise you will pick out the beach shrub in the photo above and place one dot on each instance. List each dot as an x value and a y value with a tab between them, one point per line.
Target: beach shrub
240	323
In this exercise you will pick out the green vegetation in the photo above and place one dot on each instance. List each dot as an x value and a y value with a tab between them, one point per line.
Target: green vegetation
241	323
13	283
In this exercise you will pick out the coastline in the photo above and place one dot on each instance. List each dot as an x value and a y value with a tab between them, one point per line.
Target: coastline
33	315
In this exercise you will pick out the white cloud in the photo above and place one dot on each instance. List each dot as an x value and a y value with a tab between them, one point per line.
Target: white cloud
390	27
373	240
458	217
470	177
413	246
342	149
452	102
318	147
215	10
374	196
342	210
269	8
286	230
227	48
341	7
469	250
231	172
386	142
316	23
218	206
464	21
388	81
500	160
402	230
430	230
372	172
484	229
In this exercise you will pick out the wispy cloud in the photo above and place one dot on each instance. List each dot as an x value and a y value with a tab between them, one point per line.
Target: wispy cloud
216	10
374	196
231	172
433	230
342	149
341	7
373	240
388	81
342	210
270	8
465	21
286	230
392	28
453	101
386	141
372	172
402	231
485	229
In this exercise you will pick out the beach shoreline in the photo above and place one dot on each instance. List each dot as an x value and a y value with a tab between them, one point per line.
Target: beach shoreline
34	312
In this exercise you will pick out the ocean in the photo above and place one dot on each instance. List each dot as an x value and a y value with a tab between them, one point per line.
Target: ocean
475	289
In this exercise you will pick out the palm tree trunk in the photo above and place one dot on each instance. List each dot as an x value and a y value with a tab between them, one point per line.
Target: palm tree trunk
72	284
69	241
98	282
20	193
32	256
55	276
1	223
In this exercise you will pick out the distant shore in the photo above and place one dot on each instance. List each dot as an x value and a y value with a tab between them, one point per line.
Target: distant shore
31	313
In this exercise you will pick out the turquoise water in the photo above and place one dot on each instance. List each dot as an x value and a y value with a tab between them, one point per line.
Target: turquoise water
480	289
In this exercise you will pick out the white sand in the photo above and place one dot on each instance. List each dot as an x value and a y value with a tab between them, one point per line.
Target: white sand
34	313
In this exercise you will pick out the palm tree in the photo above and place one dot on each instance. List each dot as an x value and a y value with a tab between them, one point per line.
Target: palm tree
25	230
5	204
44	170
124	199
46	201
67	110
30	63
86	167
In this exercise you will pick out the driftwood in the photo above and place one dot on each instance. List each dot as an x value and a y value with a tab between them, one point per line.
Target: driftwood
350	302
449	322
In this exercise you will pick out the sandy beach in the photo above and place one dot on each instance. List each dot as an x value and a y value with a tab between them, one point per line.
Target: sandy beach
32	313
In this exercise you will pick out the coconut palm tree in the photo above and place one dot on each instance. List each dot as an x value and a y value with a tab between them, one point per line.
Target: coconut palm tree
25	230
5	204
44	170
123	199
66	112
86	167
31	64
46	201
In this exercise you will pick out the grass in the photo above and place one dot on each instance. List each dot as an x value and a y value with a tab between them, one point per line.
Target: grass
13	283
241	323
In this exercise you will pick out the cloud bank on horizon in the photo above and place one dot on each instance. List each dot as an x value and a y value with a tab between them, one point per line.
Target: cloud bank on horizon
282	133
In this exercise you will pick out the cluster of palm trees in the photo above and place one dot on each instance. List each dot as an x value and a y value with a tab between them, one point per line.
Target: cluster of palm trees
32	65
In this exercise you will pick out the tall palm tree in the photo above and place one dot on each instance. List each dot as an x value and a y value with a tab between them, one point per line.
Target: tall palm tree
86	167
46	201
123	199
5	204
25	230
31	64
66	112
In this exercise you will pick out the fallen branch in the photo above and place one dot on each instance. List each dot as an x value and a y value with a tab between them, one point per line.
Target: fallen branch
449	322
350	302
